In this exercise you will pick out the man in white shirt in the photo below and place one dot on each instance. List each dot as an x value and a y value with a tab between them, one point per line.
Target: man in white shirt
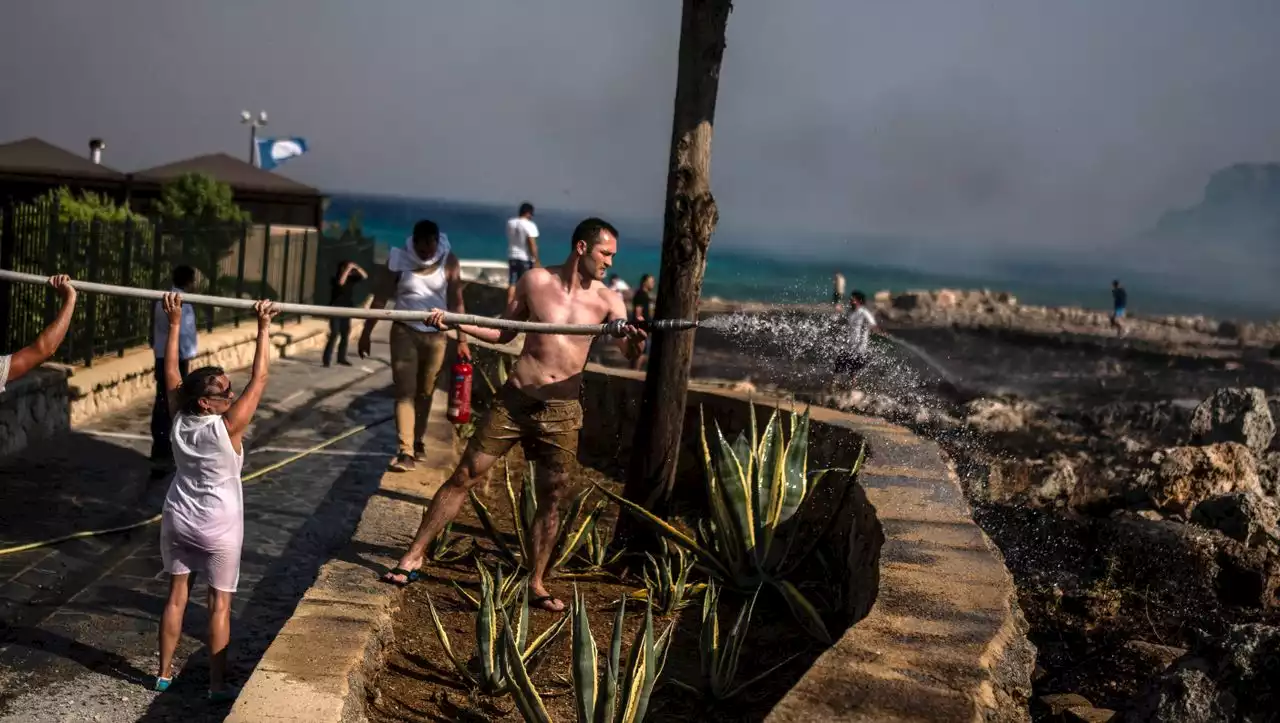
862	324
522	247
14	366
184	277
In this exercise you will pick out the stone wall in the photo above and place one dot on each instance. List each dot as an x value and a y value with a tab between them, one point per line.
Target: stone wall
33	409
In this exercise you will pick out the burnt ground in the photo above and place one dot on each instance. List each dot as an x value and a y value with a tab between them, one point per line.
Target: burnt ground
1110	600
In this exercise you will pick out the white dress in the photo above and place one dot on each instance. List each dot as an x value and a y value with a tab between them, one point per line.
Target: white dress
202	529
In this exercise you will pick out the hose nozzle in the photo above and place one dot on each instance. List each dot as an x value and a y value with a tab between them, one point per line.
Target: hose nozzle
615	327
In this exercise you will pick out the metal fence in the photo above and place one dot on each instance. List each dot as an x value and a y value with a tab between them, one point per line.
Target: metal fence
239	260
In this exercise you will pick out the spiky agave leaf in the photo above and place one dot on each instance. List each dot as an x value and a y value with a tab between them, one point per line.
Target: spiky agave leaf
486	521
803	610
464	671
664	528
523	691
584	660
574	533
446	547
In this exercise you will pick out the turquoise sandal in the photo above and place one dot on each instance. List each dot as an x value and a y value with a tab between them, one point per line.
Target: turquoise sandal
162	684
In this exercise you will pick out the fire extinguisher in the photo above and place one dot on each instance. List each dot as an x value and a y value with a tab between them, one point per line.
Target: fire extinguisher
460	394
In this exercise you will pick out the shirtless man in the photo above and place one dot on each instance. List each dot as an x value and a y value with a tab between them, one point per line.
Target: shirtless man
539	406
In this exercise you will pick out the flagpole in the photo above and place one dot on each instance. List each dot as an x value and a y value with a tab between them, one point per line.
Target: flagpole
248	119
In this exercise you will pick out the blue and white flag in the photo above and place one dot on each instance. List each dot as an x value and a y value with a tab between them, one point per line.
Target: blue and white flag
274	151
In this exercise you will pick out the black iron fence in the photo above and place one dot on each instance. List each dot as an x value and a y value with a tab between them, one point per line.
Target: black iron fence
239	260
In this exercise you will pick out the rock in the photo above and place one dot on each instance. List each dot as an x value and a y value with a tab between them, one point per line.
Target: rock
1058	703
1179	478
1228	330
1088	715
883	298
994	415
1251	519
1234	415
1186	695
1269	473
908	302
1235	677
1156	658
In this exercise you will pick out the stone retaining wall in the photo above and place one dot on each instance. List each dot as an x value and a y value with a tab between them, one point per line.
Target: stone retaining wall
33	409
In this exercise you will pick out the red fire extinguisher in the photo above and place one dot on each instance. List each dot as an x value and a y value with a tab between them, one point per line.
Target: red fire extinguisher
460	394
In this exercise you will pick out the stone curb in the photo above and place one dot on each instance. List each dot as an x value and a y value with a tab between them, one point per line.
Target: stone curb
317	668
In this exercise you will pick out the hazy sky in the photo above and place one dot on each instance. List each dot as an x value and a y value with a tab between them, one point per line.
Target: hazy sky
1039	122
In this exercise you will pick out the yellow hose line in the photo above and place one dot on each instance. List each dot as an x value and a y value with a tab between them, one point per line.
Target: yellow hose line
247	480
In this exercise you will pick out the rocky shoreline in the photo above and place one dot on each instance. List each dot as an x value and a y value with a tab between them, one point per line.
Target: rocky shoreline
1132	483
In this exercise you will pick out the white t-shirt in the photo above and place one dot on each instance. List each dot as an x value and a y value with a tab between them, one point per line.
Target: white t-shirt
519	231
860	322
620	286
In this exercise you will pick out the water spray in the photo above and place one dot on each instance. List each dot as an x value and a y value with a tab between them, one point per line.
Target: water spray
614	328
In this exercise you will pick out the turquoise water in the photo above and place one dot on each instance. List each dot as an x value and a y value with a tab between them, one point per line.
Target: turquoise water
477	232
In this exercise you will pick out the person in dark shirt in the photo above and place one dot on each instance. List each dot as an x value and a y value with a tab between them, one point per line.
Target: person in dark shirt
1119	302
342	292
642	310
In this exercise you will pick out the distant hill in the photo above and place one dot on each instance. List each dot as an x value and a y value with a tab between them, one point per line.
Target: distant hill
1241	205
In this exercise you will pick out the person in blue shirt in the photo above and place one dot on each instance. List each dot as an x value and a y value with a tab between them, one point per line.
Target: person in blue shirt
1119	302
184	277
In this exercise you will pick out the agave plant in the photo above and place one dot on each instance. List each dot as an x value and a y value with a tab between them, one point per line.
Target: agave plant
500	372
505	589
448	547
487	670
666	580
524	510
754	488
595	549
719	660
617	696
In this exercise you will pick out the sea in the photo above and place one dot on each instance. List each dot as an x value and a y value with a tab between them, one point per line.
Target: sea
797	271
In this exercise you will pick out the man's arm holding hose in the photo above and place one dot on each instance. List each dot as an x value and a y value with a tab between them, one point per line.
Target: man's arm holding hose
517	310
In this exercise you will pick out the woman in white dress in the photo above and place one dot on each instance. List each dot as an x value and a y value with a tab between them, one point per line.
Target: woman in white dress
202	528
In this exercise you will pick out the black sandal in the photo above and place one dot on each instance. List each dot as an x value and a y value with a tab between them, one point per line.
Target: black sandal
541	601
410	577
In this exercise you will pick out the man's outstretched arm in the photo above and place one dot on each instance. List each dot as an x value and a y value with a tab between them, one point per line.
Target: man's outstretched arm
32	356
631	345
517	310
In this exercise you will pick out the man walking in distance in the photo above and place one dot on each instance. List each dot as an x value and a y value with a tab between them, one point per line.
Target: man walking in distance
1119	304
539	406
184	277
522	247
342	291
422	276
14	366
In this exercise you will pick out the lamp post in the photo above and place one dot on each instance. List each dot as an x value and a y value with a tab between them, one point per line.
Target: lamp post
247	118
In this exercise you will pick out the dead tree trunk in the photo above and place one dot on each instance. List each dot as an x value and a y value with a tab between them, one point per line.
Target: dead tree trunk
689	221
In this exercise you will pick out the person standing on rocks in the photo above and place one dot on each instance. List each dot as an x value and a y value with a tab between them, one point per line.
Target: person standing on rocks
184	277
853	357
14	366
202	525
522	247
423	276
342	290
1119	301
538	407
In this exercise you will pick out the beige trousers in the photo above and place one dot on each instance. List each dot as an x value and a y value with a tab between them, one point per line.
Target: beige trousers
416	358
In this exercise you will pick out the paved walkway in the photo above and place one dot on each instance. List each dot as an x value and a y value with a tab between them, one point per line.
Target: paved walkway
78	621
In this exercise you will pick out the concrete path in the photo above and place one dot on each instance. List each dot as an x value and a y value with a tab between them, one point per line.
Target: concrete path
80	619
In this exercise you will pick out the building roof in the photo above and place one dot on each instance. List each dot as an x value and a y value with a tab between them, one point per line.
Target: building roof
34	157
234	172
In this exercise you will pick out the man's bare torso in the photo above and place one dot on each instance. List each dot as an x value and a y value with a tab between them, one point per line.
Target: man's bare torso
550	365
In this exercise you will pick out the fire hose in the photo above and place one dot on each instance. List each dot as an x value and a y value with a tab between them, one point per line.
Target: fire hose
615	328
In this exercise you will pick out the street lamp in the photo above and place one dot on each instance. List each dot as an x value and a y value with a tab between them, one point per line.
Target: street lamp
246	118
